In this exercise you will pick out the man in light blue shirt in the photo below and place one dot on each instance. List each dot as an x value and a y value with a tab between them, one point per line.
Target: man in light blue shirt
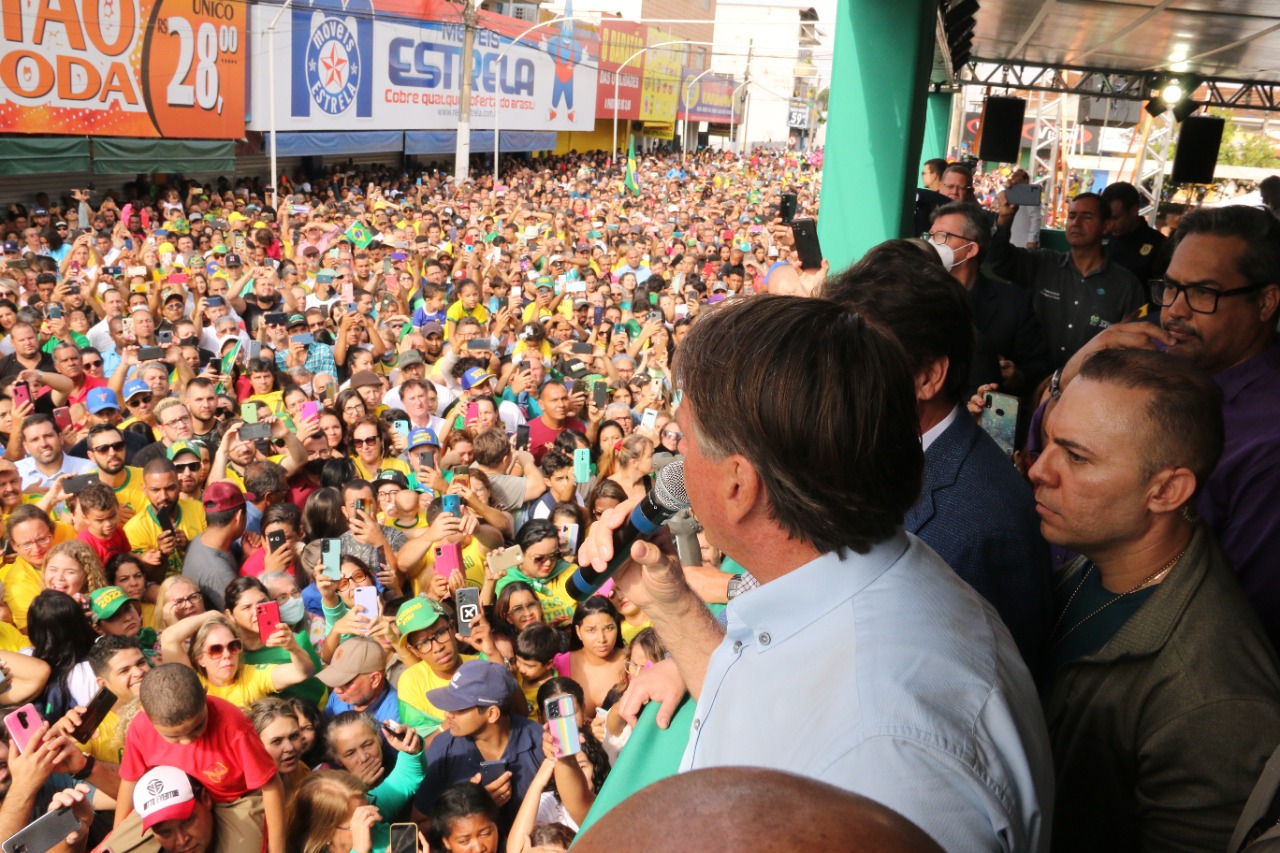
45	460
862	659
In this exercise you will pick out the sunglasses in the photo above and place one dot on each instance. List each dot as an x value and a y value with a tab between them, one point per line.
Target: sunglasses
217	650
364	442
90	364
140	401
188	467
108	448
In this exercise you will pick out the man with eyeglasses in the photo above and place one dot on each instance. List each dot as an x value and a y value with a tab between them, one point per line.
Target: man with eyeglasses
103	408
174	421
1011	349
106	448
142	419
425	627
1075	294
1219	301
31	535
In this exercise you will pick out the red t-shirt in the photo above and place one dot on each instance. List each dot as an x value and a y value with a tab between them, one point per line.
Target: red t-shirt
90	382
106	548
228	759
541	436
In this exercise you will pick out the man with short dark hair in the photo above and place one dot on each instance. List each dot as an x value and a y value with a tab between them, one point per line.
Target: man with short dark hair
931	174
1076	294
558	406
911	690
975	510
45	460
1159	725
209	561
169	522
1131	242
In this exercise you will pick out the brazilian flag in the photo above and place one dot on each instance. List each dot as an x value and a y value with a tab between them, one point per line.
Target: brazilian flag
359	235
630	180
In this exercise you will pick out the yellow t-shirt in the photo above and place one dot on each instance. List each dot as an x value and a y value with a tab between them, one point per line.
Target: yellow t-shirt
23	581
472	565
107	743
274	400
148	614
389	463
11	639
127	422
412	691
456	312
130	493
629	631
557	605
233	476
143	531
253	683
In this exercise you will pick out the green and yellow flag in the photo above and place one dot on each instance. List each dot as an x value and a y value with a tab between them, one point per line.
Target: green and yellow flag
359	235
631	180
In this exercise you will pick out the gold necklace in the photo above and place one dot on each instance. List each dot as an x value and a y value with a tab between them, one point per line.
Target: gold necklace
1150	579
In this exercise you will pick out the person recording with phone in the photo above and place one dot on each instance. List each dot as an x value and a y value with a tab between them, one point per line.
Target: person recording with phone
813	508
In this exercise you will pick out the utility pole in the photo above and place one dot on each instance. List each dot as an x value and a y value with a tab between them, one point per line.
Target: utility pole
746	98
462	153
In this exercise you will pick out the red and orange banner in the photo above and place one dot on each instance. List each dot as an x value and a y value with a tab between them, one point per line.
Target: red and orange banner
144	68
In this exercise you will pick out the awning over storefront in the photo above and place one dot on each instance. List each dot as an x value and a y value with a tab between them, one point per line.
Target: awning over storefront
132	156
34	155
444	142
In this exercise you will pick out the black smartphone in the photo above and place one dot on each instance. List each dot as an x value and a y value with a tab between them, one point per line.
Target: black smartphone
275	318
94	713
255	432
599	316
150	353
522	437
424	460
600	395
54	311
480	344
468	608
215	302
275	541
164	518
76	485
491	770
582	348
805	232
787	207
362	506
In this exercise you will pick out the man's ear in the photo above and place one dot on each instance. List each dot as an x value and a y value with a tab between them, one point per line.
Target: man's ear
931	378
1171	490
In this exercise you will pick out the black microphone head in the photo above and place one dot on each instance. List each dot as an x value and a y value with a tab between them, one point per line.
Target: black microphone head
668	489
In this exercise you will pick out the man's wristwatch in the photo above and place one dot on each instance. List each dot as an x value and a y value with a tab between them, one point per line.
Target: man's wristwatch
1055	384
731	592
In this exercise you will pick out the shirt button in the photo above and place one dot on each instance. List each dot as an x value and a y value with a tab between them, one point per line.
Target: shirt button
1071	325
764	639
697	724
737	647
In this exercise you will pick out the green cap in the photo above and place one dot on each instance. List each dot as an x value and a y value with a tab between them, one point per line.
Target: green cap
184	446
105	601
417	614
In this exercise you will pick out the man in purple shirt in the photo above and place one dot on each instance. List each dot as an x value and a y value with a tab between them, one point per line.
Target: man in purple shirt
1218	306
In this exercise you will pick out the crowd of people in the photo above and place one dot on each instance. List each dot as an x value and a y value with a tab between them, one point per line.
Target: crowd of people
294	490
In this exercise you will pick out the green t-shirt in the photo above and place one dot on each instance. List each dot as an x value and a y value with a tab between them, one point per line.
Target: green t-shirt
312	690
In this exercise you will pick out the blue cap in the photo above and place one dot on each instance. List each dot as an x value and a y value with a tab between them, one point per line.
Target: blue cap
422	437
475	376
476	684
11	247
102	398
135	386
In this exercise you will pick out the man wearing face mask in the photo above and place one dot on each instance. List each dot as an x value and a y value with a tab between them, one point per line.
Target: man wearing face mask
1009	335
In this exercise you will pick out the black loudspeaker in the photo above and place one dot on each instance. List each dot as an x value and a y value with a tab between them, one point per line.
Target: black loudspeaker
1001	139
1197	154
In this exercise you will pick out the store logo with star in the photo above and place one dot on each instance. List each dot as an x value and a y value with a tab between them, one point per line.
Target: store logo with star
333	65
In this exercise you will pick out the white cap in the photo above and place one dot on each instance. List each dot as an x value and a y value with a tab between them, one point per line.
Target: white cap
163	793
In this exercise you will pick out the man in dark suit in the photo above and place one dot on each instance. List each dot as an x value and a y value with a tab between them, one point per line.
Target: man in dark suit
975	510
1011	350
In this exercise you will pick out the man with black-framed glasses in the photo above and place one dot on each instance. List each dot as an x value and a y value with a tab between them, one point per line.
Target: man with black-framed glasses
1219	301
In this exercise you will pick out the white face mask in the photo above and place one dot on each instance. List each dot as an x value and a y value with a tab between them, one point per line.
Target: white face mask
292	611
948	255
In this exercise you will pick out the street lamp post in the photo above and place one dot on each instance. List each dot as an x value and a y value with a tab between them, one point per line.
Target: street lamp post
617	82
733	104
271	101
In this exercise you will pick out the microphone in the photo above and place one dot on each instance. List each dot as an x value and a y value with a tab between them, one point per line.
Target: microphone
665	499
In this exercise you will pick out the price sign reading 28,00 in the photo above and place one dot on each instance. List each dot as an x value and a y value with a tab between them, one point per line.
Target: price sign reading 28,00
194	66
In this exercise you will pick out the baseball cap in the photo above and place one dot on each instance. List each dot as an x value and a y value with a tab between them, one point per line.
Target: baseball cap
391	476
432	328
475	376
354	656
100	399
163	793
106	601
296	320
232	260
408	357
364	379
477	683
221	496
173	294
543	281
11	247
422	437
183	446
416	614
39	211
134	387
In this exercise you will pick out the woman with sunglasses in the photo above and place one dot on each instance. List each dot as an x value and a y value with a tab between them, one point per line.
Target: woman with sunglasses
371	446
542	568
217	655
